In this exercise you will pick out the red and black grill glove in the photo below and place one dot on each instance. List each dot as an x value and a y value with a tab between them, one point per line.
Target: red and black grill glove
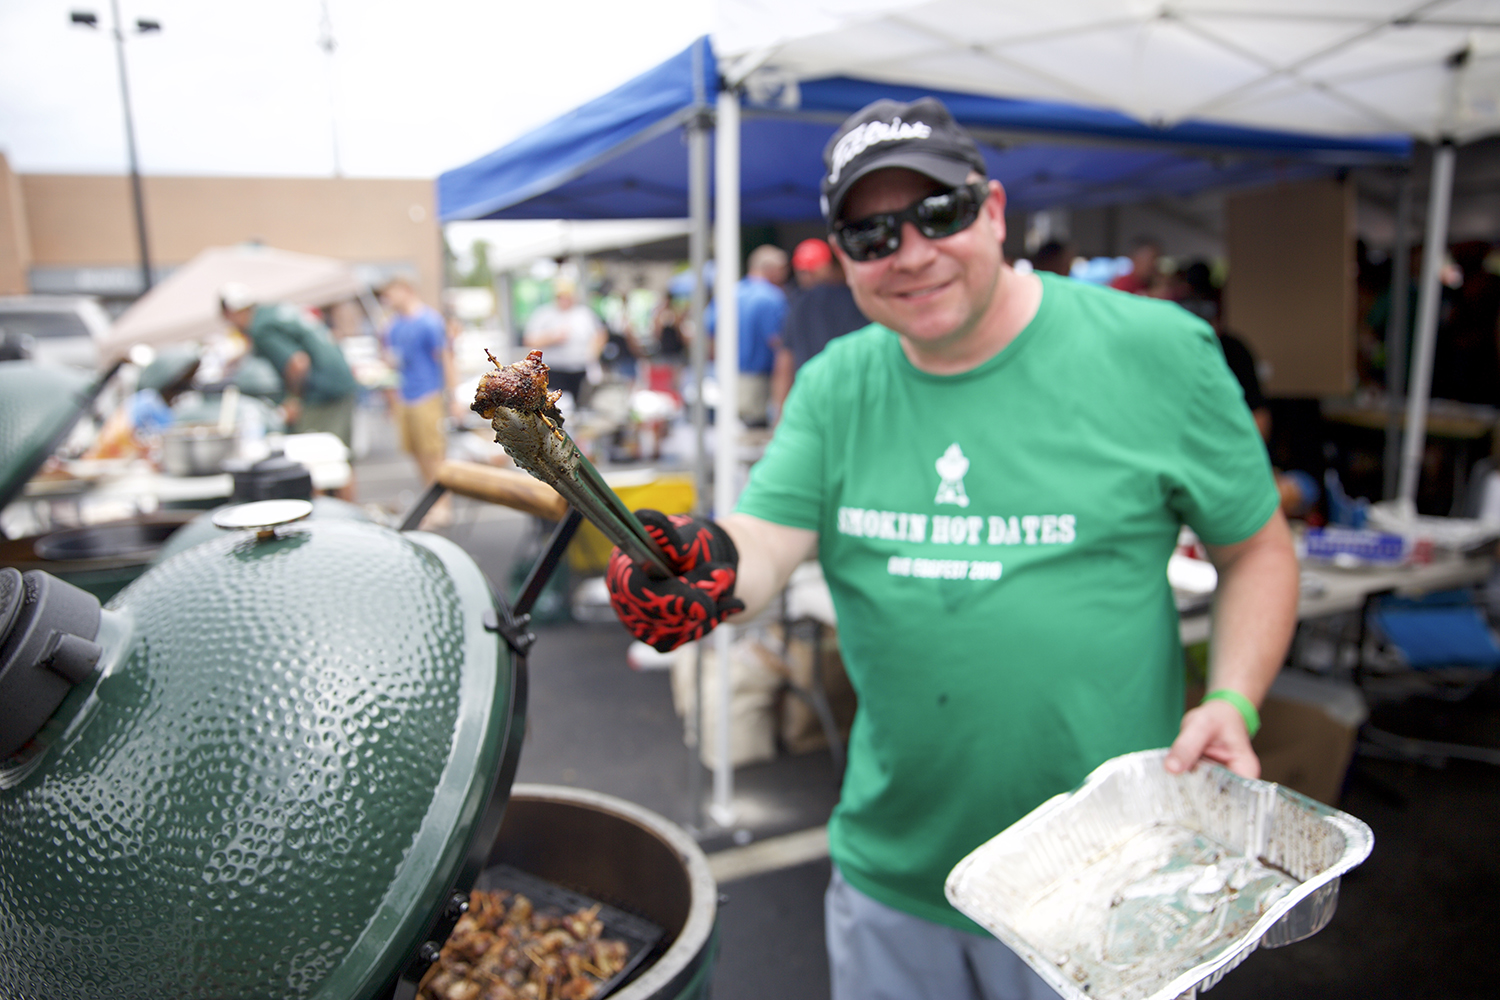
667	613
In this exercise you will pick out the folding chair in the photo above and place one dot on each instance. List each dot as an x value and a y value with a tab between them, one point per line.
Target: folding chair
1445	649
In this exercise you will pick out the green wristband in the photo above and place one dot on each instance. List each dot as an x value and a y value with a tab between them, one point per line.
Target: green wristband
1241	704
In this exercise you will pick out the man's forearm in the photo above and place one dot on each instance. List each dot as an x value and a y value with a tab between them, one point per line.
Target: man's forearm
1255	611
543	338
294	375
768	554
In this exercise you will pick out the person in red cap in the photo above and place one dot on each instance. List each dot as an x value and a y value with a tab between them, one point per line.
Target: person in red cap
826	309
810	257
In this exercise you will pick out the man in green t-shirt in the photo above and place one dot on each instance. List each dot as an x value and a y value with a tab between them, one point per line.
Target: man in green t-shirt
993	475
320	387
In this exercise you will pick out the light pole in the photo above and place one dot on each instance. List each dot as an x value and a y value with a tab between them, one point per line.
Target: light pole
142	26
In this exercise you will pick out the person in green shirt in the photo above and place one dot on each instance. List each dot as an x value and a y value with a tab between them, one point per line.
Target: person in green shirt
319	385
993	475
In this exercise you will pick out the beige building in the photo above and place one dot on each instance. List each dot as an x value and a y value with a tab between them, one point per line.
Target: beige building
75	234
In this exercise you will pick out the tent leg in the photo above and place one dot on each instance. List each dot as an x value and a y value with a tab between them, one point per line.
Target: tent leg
727	418
698	253
1438	205
1396	326
503	286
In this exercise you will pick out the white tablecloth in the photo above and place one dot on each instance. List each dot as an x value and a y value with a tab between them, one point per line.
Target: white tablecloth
114	490
1327	590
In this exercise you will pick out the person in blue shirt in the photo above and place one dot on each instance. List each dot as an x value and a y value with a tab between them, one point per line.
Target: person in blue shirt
417	343
762	312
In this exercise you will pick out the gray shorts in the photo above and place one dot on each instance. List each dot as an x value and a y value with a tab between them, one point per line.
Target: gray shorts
878	953
755	398
336	417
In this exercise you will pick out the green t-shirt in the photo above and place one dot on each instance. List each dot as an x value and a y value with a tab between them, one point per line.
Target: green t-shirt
996	545
280	331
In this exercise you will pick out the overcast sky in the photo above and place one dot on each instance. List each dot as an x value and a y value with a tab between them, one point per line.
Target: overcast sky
242	87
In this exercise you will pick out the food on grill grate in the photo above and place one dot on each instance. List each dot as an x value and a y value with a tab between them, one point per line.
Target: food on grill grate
503	949
521	386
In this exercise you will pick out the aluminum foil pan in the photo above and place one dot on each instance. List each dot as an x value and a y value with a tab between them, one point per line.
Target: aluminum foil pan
1144	885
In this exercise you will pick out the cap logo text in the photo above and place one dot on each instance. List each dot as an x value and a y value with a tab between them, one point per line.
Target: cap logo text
862	137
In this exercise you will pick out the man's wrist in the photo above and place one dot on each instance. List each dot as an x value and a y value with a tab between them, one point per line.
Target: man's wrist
1241	704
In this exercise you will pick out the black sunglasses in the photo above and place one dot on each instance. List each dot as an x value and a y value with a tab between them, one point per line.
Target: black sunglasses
935	216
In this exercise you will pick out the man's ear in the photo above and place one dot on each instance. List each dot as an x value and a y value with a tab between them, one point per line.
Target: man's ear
998	196
995	204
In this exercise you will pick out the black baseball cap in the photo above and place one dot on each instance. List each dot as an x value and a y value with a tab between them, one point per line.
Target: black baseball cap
920	136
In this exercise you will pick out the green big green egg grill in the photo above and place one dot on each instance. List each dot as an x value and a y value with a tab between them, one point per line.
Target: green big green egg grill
39	406
275	763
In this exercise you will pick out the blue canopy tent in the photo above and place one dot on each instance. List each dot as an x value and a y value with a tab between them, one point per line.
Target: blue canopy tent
623	155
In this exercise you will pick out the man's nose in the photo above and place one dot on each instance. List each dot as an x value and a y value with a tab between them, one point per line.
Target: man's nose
915	250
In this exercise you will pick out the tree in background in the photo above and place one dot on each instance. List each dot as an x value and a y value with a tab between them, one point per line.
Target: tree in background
480	275
451	276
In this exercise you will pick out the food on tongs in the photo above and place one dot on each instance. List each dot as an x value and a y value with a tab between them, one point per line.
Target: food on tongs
504	949
521	386
523	411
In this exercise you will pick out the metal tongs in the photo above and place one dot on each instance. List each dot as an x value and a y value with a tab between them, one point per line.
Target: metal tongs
545	450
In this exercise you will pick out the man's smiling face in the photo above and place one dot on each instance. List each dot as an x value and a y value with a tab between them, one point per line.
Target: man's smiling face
935	293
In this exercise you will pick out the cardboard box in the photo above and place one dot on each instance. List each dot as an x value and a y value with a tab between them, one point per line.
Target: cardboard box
801	730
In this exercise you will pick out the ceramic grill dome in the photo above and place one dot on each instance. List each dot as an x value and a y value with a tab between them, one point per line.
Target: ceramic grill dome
271	781
38	405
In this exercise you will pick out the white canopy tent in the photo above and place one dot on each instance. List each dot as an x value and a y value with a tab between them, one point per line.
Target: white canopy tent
514	245
1346	67
1426	68
1179	73
1343	67
185	306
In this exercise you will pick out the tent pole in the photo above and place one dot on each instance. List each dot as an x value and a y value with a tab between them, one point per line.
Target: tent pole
1438	204
503	285
698	236
1396	325
726	414
371	305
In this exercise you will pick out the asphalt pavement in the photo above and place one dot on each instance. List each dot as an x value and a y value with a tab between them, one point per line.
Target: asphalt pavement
1417	920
